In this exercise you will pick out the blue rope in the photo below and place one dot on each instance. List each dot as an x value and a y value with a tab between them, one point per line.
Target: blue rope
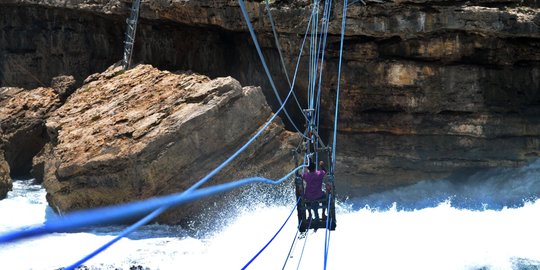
294	80
232	157
272	239
226	162
312	73
319	46
299	56
315	59
311	40
292	245
327	247
326	18
310	58
327	232
312	68
276	39
324	34
124	233
318	41
261	56
116	213
318	49
283	62
338	84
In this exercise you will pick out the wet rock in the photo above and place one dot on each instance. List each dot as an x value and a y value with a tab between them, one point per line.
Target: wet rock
141	133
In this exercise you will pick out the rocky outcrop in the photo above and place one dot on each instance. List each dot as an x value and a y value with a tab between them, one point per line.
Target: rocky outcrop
133	135
429	88
22	129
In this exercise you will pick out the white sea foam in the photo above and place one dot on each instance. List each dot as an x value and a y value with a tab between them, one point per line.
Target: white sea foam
445	235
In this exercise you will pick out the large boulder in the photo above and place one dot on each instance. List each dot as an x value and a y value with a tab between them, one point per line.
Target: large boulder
132	135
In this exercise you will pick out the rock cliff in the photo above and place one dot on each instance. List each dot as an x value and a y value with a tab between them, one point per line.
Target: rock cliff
133	135
429	88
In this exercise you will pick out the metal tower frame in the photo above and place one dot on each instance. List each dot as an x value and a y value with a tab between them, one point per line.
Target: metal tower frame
130	34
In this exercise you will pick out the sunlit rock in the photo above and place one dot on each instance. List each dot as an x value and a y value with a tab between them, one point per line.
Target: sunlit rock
131	135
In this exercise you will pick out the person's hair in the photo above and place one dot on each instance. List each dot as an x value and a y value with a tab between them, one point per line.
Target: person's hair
311	166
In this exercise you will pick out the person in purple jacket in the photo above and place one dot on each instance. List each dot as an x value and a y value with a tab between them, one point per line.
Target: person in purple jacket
313	192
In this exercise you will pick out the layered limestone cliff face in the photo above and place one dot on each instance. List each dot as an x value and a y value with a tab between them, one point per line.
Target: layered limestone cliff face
132	135
429	88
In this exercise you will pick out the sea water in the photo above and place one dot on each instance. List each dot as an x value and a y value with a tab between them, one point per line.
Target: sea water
484	220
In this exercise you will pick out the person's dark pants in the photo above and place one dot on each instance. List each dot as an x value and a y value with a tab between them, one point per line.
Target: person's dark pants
314	205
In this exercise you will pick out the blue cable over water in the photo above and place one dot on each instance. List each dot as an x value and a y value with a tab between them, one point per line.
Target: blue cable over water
124	233
327	245
115	213
338	84
272	239
327	232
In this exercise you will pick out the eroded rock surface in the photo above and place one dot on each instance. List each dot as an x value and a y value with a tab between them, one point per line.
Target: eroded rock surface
132	135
